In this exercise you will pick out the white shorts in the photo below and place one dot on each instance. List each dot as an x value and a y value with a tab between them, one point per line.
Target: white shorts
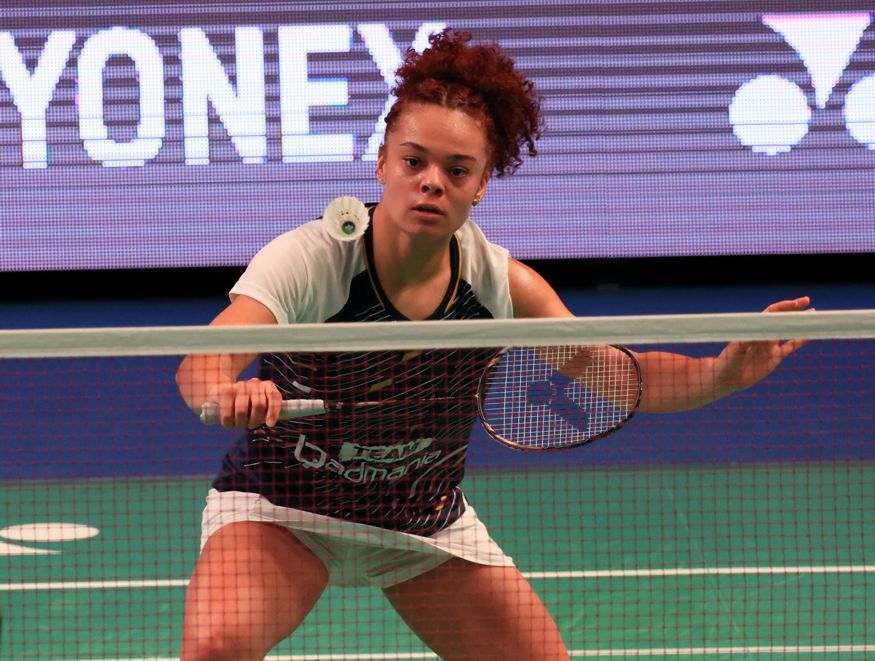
355	553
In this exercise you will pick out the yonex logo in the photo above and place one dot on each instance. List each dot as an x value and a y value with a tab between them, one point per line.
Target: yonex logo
205	82
771	114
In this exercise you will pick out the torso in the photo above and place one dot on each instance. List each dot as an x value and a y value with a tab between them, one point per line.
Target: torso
396	466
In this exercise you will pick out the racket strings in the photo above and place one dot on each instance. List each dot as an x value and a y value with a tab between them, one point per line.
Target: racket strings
560	396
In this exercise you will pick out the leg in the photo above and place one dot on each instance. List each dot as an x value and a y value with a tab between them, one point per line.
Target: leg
466	611
252	586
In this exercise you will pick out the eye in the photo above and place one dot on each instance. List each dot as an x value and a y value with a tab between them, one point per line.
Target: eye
412	161
458	171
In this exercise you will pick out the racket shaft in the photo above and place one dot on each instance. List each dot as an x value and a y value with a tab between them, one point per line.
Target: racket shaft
291	408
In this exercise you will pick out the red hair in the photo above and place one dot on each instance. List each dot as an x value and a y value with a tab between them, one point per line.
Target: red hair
481	81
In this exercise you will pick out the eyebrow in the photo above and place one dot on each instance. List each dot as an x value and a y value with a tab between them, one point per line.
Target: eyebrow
455	157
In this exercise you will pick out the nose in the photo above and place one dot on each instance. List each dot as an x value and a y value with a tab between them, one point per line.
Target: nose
432	181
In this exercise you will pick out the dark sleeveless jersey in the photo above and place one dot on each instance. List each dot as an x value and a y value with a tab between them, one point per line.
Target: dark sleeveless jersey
395	465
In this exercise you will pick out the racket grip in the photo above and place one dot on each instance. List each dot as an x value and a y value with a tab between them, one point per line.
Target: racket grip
290	408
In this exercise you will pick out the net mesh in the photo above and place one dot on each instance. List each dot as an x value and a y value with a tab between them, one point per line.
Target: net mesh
744	527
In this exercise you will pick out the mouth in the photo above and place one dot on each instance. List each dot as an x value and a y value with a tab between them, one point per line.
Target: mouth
428	209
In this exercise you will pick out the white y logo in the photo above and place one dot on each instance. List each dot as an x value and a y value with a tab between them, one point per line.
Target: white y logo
770	114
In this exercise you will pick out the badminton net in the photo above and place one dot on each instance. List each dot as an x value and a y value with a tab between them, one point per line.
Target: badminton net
739	528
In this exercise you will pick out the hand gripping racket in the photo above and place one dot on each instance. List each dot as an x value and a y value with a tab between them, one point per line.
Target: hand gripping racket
531	398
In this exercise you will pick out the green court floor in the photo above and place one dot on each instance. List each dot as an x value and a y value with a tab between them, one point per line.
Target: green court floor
756	562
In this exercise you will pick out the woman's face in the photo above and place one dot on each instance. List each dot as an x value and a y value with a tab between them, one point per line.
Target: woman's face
434	164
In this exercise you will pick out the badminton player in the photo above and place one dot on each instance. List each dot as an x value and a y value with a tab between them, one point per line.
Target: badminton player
299	505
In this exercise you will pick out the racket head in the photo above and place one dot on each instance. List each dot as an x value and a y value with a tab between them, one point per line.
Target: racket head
558	397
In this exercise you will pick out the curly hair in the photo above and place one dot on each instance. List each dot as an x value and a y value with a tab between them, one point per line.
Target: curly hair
481	81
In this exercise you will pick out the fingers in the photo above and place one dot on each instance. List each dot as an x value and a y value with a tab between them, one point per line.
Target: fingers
770	350
793	305
273	409
249	404
790	346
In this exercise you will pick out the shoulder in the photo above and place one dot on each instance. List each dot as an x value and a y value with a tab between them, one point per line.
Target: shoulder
308	248
301	275
520	288
479	251
304	241
532	295
483	265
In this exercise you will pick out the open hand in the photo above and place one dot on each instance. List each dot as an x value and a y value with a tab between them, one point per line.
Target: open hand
742	364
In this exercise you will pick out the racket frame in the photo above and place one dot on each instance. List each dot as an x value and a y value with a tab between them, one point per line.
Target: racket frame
482	395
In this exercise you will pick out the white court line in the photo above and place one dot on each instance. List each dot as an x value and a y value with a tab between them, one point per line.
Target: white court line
626	573
401	656
703	571
752	649
93	585
601	573
668	651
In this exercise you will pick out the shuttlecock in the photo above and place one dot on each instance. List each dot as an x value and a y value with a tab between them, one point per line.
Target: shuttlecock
345	218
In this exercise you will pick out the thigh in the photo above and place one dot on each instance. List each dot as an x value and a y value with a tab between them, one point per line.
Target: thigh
463	610
253	584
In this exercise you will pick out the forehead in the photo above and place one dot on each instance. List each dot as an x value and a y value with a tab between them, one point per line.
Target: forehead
439	130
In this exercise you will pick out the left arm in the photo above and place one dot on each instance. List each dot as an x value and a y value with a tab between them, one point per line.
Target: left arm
678	383
672	382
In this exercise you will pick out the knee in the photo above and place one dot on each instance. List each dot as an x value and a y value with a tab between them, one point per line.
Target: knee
218	646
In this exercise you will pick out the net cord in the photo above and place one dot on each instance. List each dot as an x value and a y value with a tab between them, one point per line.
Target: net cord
398	335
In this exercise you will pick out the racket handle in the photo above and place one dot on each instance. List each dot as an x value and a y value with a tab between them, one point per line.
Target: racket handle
290	408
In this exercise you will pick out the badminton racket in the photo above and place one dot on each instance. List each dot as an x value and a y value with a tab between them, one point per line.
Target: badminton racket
529	398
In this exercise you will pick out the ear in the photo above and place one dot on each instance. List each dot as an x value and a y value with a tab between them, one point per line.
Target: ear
381	163
484	181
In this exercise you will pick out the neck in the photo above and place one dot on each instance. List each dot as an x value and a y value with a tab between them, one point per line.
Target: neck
403	259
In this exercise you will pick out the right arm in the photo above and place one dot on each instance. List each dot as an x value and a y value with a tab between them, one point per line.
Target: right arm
673	382
213	377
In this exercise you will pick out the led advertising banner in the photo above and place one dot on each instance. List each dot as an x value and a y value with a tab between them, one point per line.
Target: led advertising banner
190	134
